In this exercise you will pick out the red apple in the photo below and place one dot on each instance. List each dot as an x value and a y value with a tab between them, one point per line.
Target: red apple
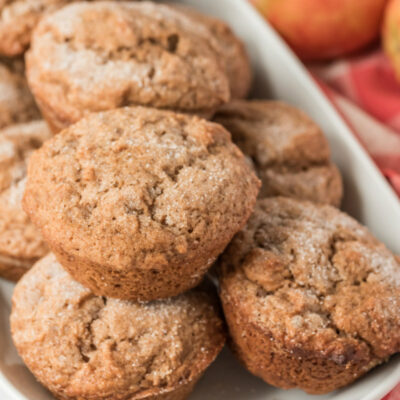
391	34
324	29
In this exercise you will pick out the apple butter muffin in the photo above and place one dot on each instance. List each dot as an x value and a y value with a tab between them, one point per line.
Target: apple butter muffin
311	298
18	18
137	203
289	152
95	56
81	346
21	244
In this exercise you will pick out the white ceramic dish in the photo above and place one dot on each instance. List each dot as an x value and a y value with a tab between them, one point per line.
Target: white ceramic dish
369	198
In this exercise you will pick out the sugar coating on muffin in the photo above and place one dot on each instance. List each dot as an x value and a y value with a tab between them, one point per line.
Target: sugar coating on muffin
16	101
18	18
141	54
288	150
230	48
21	244
310	296
83	346
137	203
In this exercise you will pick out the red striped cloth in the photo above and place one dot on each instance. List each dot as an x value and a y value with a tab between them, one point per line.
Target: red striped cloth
394	394
367	94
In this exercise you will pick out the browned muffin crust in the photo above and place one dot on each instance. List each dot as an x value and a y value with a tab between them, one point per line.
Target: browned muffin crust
18	18
81	346
16	101
289	152
21	244
310	296
139	54
229	47
137	203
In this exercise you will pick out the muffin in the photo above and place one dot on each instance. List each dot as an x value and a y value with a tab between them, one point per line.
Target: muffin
289	152
229	47
21	244
137	203
18	18
104	55
16	101
311	298
81	346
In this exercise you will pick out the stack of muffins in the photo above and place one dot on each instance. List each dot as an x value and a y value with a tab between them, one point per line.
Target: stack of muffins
138	194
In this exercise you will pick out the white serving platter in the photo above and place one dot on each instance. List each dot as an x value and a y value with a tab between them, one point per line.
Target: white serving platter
368	197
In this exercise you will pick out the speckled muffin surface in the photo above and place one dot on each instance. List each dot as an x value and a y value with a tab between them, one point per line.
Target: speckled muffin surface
137	203
288	150
310	297
18	18
20	242
16	101
142	53
229	47
83	346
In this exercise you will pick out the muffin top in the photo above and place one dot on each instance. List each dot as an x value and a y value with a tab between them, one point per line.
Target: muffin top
229	47
16	101
19	238
79	344
140	186
315	280
139	54
288	150
18	18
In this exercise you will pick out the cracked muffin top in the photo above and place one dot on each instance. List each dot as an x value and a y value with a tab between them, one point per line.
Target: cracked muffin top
83	346
16	101
18	18
289	152
315	280
19	239
140	186
103	55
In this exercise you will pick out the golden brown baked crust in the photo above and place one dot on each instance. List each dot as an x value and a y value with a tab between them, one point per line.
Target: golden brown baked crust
21	244
288	150
141	54
137	203
81	346
16	101
18	18
12	268
229	47
310	297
